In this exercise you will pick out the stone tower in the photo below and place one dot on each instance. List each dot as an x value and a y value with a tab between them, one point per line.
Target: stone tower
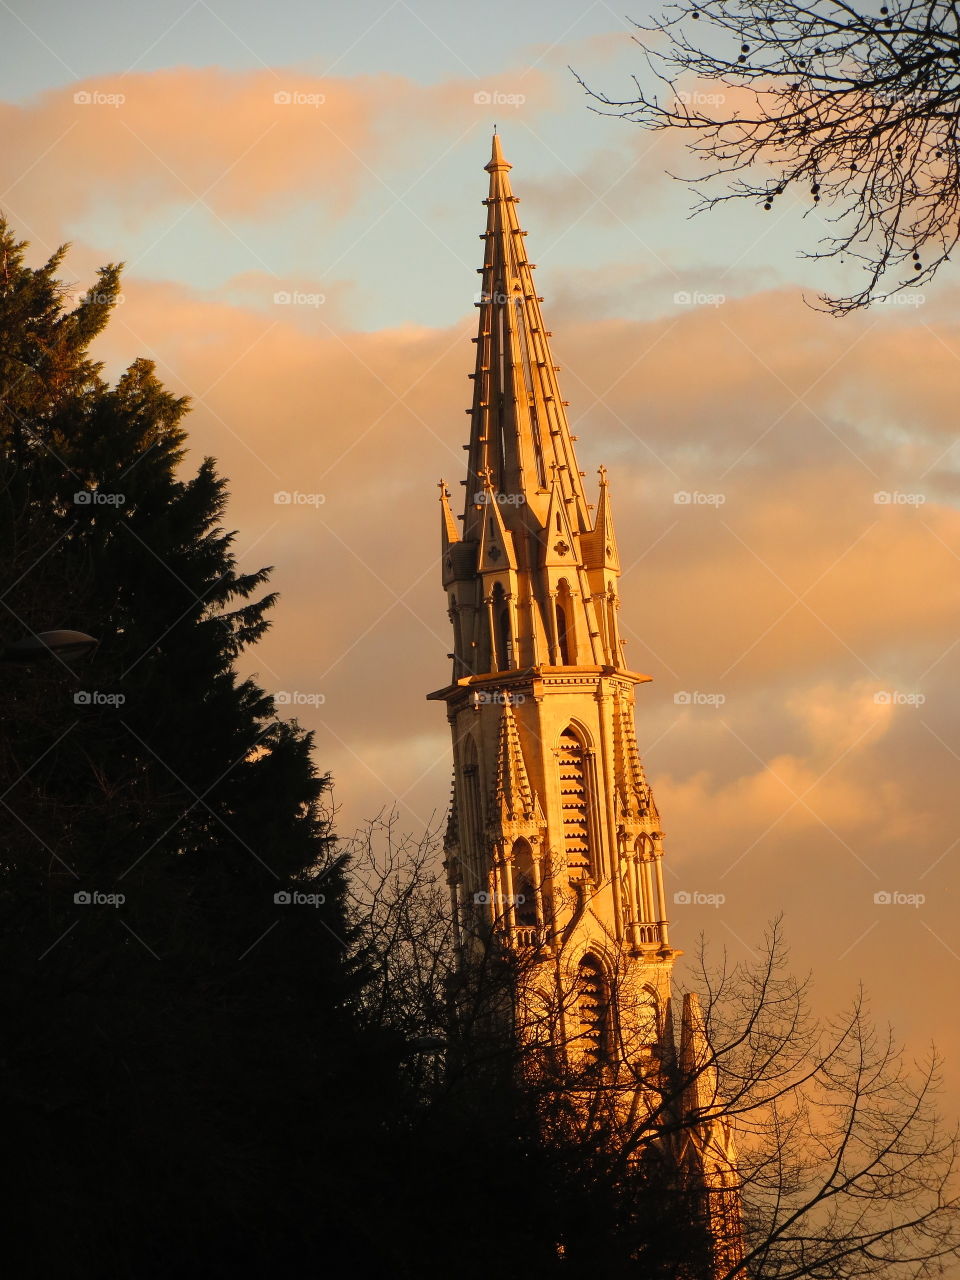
553	843
550	801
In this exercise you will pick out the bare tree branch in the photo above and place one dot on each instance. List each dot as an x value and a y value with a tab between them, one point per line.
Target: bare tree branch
856	110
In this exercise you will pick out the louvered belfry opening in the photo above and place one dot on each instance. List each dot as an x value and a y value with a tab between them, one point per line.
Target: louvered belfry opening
593	1011
575	801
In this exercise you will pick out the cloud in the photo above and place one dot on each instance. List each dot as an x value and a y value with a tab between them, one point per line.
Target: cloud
244	147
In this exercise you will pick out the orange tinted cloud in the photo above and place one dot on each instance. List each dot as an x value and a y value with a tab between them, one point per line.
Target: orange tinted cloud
244	145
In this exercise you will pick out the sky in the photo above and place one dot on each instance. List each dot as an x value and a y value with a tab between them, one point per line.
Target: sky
296	191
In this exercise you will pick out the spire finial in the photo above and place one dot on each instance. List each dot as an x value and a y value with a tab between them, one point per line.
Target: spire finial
602	473
496	156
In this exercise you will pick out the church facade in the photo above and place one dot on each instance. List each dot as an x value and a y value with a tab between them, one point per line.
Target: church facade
554	844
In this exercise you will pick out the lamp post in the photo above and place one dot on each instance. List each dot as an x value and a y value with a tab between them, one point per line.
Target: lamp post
44	645
423	1044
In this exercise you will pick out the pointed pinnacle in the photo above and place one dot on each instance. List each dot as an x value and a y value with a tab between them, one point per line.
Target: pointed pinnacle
496	157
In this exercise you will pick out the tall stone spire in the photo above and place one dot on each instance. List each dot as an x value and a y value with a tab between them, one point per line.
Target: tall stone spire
518	423
548	784
548	571
554	849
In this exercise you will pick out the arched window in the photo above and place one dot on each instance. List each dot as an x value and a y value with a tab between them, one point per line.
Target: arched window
504	640
566	643
593	1012
576	803
525	901
473	815
457	631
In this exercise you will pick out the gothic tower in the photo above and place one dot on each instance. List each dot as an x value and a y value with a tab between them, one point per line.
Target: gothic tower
553	831
554	842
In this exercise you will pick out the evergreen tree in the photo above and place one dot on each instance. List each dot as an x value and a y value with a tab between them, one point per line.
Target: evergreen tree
172	1056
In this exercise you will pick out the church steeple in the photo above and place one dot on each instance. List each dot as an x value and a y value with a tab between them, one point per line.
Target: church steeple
518	424
541	701
526	525
553	849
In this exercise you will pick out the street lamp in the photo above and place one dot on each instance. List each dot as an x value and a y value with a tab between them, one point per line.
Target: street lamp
423	1044
44	645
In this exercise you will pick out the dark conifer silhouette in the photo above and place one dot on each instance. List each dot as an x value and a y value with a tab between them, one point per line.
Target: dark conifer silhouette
170	1061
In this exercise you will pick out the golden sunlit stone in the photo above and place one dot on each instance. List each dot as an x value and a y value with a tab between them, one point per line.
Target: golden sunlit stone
554	845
